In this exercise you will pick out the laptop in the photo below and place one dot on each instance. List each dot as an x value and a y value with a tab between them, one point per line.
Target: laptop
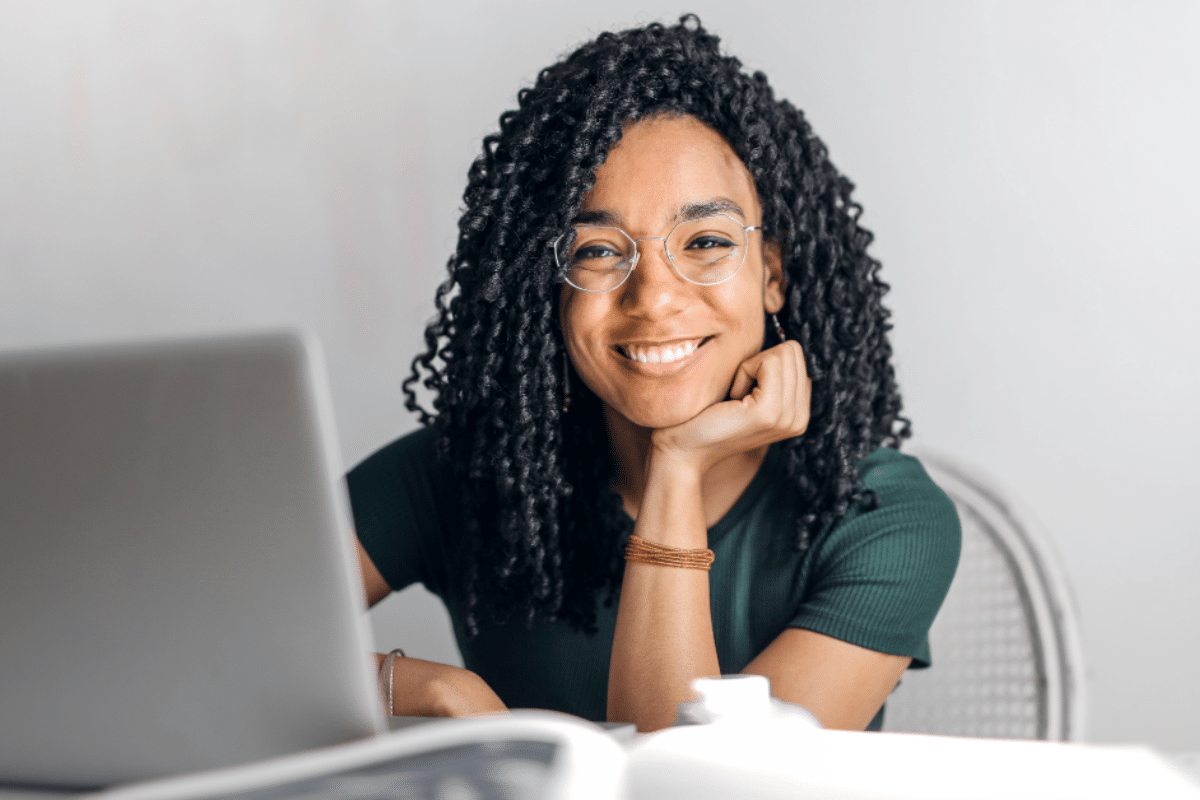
178	589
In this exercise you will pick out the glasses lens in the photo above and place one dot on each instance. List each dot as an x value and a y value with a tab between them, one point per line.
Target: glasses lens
596	258
708	250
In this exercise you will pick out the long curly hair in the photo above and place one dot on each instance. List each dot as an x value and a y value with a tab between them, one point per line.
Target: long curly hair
542	529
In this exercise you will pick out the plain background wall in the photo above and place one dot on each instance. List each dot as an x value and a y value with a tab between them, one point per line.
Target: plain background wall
1029	170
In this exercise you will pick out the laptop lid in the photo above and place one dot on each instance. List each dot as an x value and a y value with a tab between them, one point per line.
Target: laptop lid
178	588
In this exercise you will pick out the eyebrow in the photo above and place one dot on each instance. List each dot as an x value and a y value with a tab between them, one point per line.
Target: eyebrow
597	217
719	205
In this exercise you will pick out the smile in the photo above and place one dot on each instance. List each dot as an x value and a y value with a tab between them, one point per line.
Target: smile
660	354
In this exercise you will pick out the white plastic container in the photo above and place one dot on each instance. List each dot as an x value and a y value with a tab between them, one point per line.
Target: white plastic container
737	697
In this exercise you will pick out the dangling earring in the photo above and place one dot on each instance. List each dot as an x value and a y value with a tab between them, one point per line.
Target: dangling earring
778	328
566	384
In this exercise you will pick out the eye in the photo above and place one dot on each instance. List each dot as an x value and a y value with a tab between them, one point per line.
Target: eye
709	242
595	251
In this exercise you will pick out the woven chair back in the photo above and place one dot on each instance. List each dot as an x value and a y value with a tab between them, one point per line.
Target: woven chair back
1006	650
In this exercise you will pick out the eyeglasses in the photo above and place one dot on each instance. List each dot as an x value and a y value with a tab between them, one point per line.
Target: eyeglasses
705	251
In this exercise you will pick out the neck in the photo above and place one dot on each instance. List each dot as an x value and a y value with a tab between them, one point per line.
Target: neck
721	485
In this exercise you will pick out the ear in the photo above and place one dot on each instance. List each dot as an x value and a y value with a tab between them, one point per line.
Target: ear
775	284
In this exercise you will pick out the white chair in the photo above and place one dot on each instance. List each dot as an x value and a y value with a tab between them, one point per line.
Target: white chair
1007	654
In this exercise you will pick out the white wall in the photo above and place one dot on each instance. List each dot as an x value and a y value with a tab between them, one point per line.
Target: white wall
178	168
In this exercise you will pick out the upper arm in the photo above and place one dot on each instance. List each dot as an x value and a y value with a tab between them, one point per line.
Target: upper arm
880	576
398	517
877	581
843	684
374	585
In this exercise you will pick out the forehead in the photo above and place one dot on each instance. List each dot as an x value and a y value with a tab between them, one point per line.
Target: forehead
664	164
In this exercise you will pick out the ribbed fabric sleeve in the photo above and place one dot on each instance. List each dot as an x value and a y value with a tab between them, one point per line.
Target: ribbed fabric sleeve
403	505
879	578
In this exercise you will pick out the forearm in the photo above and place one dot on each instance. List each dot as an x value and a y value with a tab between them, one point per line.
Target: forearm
664	635
429	689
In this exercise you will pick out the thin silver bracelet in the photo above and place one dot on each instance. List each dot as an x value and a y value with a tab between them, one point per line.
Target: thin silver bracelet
386	670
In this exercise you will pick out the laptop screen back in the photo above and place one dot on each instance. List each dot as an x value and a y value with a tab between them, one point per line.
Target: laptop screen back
177	588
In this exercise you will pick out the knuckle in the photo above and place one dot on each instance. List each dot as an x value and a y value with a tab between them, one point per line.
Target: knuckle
770	410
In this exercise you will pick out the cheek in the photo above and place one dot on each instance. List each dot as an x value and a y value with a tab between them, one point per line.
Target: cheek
582	317
741	306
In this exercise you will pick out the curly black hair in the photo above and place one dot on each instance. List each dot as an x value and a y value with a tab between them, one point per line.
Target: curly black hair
543	530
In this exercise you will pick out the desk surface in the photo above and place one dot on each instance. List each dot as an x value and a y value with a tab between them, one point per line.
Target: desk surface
1188	762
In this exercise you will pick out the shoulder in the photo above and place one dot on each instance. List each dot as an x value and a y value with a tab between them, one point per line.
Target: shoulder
401	499
403	471
880	574
899	479
408	463
913	523
415	449
396	482
886	466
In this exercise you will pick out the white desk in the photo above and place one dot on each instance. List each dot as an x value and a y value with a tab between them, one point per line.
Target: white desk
702	763
770	762
1188	762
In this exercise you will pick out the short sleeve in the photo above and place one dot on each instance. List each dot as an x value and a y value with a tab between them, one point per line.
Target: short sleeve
399	514
879	577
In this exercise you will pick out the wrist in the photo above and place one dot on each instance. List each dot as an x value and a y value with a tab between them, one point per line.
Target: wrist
672	508
387	680
673	466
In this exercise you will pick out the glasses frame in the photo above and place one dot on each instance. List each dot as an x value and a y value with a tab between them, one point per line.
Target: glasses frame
637	252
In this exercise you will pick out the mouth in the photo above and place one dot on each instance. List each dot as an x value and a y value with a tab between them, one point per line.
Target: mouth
666	353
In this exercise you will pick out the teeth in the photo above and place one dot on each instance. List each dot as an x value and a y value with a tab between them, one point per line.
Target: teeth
660	355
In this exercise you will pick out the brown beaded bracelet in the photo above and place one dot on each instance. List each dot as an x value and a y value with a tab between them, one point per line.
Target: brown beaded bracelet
646	552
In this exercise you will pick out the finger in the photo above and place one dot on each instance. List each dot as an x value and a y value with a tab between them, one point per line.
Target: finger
803	397
790	385
768	398
799	351
780	377
742	381
745	377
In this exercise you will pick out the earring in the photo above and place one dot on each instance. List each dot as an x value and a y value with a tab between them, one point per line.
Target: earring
566	406
778	328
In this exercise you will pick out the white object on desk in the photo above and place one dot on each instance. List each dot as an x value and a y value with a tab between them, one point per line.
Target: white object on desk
1188	762
521	754
733	697
780	758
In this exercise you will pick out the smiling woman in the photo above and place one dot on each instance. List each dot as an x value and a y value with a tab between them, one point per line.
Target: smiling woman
665	418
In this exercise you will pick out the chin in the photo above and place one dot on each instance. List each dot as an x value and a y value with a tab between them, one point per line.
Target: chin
665	417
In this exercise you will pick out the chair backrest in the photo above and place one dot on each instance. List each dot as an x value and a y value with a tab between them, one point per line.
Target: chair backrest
1007	653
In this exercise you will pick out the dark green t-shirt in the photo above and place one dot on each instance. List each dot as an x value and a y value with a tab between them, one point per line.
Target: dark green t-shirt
876	579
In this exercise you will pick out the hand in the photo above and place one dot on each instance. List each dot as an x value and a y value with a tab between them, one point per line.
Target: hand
429	689
769	401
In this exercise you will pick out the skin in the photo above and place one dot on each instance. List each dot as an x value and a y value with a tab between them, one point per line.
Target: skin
426	688
684	453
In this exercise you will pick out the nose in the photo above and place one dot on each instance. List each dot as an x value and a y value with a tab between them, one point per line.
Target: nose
654	290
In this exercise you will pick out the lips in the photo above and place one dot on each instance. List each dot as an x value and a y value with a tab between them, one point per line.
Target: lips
661	353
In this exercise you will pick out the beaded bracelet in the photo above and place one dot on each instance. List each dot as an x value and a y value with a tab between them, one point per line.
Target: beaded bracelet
646	552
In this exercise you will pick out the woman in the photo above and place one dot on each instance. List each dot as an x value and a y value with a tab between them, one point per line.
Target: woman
661	347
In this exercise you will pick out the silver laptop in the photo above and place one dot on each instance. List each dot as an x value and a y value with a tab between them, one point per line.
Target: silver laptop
177	580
